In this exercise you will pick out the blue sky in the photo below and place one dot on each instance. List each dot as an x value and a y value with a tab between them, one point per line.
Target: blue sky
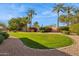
44	12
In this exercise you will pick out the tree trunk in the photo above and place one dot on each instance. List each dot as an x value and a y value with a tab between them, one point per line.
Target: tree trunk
26	28
58	21
68	24
68	14
30	22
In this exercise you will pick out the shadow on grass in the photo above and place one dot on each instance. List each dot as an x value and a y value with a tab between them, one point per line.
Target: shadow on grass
32	44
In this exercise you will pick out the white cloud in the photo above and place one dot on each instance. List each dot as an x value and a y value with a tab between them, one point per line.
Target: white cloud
15	8
46	14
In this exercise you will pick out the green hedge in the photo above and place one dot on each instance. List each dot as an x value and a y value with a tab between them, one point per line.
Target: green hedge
3	36
64	28
74	28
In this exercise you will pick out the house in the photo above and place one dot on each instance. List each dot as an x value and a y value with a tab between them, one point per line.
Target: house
2	28
54	29
51	29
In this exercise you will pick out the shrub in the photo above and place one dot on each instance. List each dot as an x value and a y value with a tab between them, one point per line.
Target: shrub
5	34
42	29
1	38
48	29
66	32
64	28
74	28
33	29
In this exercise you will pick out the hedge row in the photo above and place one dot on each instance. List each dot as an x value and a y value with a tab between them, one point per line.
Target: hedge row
3	36
75	28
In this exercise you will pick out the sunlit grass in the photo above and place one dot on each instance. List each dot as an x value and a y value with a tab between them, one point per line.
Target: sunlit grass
42	41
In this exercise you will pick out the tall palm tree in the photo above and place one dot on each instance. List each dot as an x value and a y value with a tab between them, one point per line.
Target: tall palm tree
64	19
76	12
30	14
68	10
58	8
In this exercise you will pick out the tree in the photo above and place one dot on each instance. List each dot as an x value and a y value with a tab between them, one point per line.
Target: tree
68	9
18	23
64	19
12	24
2	24
58	8
76	16
30	14
36	24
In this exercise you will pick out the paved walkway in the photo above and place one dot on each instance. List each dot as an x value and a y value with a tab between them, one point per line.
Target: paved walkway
14	47
73	49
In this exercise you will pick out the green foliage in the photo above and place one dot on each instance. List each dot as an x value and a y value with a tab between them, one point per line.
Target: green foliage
58	8
62	18
18	23
42	29
75	28
66	32
64	28
36	24
46	29
77	32
1	38
5	34
2	24
31	13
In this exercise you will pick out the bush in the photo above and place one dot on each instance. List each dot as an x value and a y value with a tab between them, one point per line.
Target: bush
42	29
77	32
64	28
74	28
48	29
66	32
5	34
33	29
1	38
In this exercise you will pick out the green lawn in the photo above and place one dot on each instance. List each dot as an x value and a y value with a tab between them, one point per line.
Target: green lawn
43	41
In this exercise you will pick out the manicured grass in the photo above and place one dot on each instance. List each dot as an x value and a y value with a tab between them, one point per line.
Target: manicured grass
43	41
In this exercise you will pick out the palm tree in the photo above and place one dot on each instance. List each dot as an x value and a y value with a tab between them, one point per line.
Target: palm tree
64	19
58	8
76	16
30	14
68	10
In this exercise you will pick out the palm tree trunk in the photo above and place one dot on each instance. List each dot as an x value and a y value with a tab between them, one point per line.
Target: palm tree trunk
68	24
26	28
58	21
30	22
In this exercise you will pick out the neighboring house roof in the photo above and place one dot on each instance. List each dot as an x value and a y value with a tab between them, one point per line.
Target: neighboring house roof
2	28
54	28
